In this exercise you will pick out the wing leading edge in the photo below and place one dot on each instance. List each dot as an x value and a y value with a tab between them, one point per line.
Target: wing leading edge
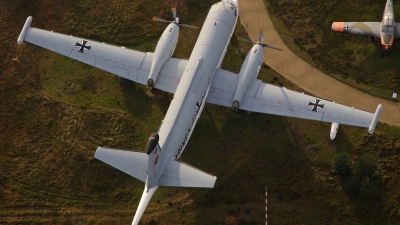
270	99
126	63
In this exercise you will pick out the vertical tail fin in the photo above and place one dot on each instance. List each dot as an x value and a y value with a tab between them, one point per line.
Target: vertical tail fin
153	165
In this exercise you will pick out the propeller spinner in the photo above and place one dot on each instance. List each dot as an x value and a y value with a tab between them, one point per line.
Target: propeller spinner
176	20
260	41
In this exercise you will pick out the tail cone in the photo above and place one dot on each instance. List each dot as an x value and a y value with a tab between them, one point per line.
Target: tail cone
144	201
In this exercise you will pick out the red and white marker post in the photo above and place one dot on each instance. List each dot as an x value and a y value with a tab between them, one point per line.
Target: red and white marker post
266	206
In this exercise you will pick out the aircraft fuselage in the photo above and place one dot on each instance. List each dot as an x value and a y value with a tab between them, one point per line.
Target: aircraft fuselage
388	26
192	91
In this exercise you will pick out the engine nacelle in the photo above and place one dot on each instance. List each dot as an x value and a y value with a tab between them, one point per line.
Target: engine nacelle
248	73
334	130
164	50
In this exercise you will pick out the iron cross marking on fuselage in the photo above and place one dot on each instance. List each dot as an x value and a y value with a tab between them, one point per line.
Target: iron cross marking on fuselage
315	105
83	46
346	28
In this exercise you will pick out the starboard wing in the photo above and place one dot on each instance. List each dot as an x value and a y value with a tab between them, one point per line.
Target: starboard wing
397	30
270	99
363	28
129	64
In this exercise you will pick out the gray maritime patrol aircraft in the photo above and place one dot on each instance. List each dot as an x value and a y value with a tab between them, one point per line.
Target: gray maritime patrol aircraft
386	31
194	82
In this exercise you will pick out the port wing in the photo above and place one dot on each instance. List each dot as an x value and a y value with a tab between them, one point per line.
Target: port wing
129	64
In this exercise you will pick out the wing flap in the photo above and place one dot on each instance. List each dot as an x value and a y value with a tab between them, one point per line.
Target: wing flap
132	163
170	75
222	89
179	174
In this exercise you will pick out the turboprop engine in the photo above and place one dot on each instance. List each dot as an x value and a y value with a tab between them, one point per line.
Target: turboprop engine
165	46
250	69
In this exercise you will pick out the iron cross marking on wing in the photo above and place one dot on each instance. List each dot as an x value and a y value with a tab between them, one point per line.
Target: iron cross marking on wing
83	45
315	105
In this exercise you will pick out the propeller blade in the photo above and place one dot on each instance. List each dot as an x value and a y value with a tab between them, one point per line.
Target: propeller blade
245	40
189	26
271	47
260	36
174	12
160	20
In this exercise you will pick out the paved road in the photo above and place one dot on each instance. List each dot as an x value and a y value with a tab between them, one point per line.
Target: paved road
295	69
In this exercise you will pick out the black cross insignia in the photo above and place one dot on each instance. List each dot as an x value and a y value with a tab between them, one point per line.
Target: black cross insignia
346	28
83	46
315	105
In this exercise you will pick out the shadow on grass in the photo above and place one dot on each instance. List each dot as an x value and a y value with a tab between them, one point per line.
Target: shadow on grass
135	98
342	142
255	151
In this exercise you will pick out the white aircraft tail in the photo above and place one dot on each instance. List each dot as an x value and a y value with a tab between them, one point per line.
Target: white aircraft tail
176	173
146	166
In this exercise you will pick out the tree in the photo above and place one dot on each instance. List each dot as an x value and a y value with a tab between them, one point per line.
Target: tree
342	163
365	165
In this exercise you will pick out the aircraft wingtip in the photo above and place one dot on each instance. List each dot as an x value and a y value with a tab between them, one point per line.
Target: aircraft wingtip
338	26
25	28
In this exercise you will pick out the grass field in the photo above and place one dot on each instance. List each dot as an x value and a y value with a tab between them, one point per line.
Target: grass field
56	111
349	58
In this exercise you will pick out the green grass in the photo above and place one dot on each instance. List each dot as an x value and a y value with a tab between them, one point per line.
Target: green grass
352	59
50	130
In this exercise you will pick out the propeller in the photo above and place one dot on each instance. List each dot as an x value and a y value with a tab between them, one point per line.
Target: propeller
176	20
260	41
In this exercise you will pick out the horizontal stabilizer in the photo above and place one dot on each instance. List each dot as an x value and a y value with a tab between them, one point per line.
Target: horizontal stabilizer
132	163
179	174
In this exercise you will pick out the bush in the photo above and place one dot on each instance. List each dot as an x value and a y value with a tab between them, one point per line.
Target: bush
353	185
361	186
342	164
365	165
368	188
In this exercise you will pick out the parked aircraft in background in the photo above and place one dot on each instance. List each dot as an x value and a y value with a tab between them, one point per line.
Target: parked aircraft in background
386	31
193	82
